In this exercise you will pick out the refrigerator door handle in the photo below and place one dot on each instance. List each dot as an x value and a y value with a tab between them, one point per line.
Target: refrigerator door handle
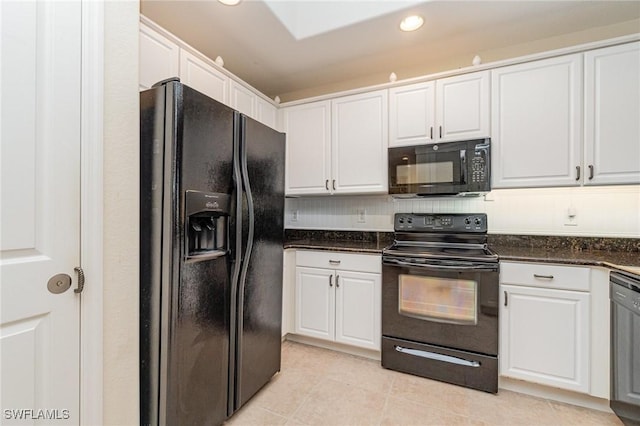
235	277
246	257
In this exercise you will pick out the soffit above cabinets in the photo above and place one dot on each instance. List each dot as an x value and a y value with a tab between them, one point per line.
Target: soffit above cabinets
297	49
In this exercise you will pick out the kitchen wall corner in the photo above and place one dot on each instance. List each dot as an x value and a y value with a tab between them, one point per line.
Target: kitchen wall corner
121	201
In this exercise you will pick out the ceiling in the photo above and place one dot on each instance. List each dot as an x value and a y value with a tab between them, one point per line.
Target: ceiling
299	48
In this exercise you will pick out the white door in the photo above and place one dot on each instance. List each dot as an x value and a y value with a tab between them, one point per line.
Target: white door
315	302
612	115
308	163
243	99
40	210
544	336
536	122
197	74
359	143
412	114
462	106
358	309
159	57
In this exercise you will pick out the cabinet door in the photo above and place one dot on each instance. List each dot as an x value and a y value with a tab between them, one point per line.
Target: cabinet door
266	113
243	99
159	57
536	123
358	309
315	302
462	106
612	115
199	75
412	114
544	336
308	165
359	143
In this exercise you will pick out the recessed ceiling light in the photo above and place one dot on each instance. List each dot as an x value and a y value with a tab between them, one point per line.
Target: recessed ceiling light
229	2
411	23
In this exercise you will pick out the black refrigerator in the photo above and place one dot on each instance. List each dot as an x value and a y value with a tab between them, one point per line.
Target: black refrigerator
211	247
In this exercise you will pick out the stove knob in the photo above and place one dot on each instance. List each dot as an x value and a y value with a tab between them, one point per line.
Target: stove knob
467	221
477	221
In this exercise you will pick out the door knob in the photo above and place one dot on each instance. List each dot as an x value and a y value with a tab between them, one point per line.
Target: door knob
59	283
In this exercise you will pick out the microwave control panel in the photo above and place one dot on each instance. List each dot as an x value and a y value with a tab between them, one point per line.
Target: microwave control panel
478	169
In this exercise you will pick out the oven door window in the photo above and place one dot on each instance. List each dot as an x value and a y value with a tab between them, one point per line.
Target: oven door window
438	299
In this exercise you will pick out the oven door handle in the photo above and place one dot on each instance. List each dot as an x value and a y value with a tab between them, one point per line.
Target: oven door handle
396	262
438	357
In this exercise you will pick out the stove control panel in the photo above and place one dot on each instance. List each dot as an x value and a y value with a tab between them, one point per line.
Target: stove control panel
428	222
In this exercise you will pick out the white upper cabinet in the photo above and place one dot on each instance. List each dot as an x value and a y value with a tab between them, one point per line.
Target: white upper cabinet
337	146
159	58
308	160
449	109
536	123
612	115
359	143
199	75
462	106
163	56
412	114
266	113
243	99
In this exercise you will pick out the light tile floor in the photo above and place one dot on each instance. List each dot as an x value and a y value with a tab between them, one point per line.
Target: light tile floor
321	387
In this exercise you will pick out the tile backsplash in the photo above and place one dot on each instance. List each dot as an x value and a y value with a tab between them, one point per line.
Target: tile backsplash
607	211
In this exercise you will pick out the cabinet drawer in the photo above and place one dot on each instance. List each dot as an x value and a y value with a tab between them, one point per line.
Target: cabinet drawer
545	275
336	260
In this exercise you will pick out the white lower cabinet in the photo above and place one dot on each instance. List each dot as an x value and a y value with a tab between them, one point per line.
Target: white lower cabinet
545	324
341	305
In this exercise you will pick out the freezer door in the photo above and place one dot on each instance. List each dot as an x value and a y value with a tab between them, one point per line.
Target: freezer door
262	152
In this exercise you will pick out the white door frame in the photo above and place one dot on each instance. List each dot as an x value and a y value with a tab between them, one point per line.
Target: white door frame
91	213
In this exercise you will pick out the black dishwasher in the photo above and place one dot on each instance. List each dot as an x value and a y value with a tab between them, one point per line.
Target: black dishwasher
625	346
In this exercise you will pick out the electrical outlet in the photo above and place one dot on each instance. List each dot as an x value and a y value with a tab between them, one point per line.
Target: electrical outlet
362	216
294	216
571	219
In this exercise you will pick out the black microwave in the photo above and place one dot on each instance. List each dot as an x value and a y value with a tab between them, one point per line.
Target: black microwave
448	168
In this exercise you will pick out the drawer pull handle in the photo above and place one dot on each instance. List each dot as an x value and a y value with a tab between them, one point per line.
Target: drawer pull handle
337	281
505	298
331	280
439	357
543	277
334	262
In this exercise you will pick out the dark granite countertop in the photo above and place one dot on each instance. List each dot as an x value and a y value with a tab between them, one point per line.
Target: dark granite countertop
345	241
617	253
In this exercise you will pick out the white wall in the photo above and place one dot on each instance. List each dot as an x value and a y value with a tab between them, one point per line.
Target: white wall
121	194
606	211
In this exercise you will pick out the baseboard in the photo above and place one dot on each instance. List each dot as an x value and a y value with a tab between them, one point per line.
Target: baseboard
339	347
555	394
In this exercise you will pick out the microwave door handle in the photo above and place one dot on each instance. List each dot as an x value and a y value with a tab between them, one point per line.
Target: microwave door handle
463	165
440	267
